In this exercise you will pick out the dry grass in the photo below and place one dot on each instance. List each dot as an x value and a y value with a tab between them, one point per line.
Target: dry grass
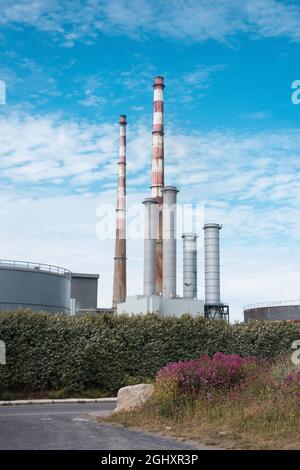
250	427
261	418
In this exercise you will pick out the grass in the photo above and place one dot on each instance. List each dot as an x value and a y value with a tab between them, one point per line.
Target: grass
264	416
89	393
55	394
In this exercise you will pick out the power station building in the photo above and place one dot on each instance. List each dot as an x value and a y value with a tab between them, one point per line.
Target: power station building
54	289
160	243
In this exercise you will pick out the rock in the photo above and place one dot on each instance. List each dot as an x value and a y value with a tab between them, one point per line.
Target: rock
133	396
224	433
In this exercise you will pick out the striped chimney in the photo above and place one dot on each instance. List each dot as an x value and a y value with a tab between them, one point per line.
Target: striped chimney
157	183
119	287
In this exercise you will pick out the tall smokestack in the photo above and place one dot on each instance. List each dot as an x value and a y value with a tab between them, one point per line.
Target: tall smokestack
157	183
151	214
212	264
169	241
119	287
189	265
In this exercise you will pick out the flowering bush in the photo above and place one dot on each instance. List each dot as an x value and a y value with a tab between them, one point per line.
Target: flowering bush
292	383
221	372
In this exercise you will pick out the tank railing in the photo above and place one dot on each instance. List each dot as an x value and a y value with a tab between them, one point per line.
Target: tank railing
30	266
280	303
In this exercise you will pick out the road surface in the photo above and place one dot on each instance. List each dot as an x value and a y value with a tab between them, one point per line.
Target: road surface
68	426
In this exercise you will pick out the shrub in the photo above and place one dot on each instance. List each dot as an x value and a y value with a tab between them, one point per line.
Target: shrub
221	372
104	352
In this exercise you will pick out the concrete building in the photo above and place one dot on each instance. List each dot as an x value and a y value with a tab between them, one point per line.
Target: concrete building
288	310
36	286
142	304
84	292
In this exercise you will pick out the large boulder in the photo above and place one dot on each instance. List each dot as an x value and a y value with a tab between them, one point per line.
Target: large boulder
133	396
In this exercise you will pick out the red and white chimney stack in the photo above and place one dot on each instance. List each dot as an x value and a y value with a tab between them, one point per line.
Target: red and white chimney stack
119	285
158	168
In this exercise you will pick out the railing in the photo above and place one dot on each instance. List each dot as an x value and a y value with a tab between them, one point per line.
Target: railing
29	266
279	303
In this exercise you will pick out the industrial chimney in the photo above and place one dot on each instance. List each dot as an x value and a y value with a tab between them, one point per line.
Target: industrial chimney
189	265
119	286
157	183
169	241
212	270
151	219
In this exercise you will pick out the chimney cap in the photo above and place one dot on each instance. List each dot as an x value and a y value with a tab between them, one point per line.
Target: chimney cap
170	188
212	225
191	235
159	81
150	200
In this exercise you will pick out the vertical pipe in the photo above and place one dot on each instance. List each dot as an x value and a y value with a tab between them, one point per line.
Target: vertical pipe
150	245
189	265
119	285
169	241
212	264
157	182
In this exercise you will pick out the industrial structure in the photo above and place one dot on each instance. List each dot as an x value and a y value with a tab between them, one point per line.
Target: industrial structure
214	308
150	245
84	293
35	286
53	289
160	245
157	177
47	288
189	289
169	241
119	283
288	310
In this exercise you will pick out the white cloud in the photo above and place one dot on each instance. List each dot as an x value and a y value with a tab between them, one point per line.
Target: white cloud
262	167
45	148
194	20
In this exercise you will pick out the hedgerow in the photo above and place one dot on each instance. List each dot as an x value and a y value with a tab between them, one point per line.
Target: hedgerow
53	352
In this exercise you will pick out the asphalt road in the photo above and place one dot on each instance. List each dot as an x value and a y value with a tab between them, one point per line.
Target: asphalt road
68	426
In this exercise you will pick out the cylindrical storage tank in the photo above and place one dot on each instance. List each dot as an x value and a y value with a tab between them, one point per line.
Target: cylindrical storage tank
189	265
169	241
151	220
288	310
35	286
212	263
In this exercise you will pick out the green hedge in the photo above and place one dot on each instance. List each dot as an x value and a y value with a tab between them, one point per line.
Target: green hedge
52	352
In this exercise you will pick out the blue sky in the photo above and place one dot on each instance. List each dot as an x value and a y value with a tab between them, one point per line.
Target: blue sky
232	132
